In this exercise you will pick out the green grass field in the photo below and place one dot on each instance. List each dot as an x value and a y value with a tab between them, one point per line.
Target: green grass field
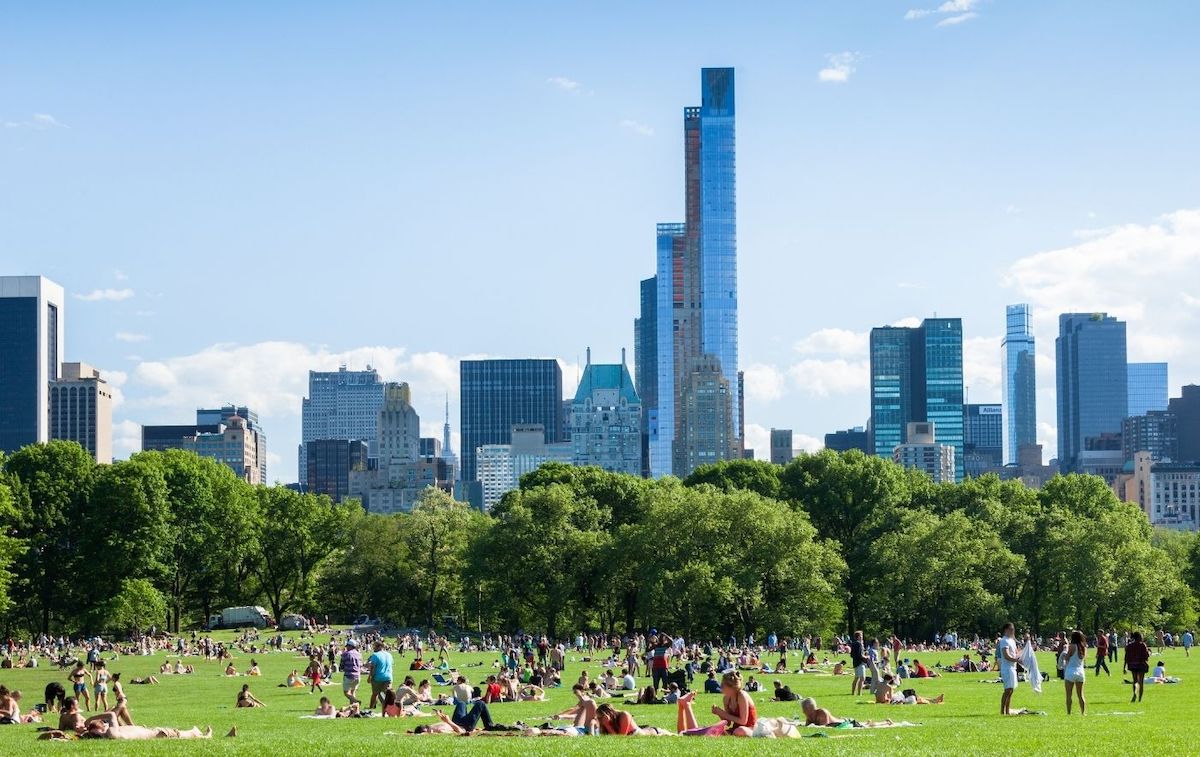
968	723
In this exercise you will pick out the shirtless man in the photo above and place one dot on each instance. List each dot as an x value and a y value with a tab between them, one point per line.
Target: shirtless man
99	729
814	715
887	693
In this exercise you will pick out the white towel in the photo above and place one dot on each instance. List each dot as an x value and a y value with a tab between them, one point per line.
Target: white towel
1029	660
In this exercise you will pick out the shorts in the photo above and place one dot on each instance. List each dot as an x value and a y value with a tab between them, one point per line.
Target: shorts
1009	677
349	684
1074	676
80	688
861	671
1139	667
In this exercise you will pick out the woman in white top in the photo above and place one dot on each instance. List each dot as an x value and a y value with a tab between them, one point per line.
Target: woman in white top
1007	656
1073	671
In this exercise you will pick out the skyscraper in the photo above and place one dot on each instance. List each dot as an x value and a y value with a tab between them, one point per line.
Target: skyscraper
983	439
696	415
1092	382
341	404
230	435
645	362
917	376
496	395
1147	387
81	410
1186	409
1018	366
330	462
399	427
217	415
848	439
781	446
606	419
31	351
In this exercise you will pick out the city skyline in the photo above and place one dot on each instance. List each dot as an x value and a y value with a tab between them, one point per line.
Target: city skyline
928	172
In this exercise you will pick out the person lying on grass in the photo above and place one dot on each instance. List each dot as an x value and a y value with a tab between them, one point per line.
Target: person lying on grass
326	710
70	719
463	722
103	730
887	692
819	716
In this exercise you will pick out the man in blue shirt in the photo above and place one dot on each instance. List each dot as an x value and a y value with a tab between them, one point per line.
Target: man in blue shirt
380	666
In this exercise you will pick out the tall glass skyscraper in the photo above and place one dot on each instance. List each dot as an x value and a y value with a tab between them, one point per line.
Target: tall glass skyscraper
1018	366
917	376
1147	388
496	395
692	419
31	350
341	404
1092	380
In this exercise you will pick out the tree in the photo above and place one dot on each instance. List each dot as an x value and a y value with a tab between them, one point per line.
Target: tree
10	548
437	535
136	607
50	484
371	574
758	476
298	532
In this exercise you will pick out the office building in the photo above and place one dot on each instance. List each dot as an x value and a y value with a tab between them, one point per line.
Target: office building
1136	484
1154	433
1018	367
500	466
81	410
983	440
694	411
330	462
496	395
1147	387
781	446
1175	495
341	404
226	437
1186	409
398	430
429	446
31	352
1030	469
645	361
848	439
606	419
917	377
924	453
1092	384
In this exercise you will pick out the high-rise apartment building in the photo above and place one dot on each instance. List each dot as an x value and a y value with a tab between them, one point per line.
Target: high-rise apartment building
924	453
499	467
1186	409
983	439
1147	387
31	352
917	376
694	413
606	419
781	446
1018	366
496	395
1175	495
330	462
341	404
1155	433
1092	383
81	410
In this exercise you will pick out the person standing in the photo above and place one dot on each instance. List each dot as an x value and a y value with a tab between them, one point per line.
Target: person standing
351	666
1006	653
1102	652
1137	662
1188	640
1112	646
1073	673
859	662
660	662
379	665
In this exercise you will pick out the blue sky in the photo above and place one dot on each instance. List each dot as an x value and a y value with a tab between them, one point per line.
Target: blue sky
244	193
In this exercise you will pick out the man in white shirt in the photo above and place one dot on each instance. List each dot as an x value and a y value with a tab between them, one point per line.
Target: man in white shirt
1006	653
462	690
627	682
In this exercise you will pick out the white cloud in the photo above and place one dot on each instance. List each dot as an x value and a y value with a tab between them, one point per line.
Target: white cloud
127	439
822	378
636	127
981	368
130	336
839	68
758	438
907	322
37	122
841	342
954	20
565	84
116	380
764	383
107	295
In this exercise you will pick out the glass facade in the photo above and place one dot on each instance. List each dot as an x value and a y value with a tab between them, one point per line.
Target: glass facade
983	439
940	387
18	372
891	387
1186	409
329	464
496	395
1018	359
669	312
341	404
1092	382
1147	387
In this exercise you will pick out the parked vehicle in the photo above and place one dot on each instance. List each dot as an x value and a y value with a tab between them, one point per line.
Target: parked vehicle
241	617
293	622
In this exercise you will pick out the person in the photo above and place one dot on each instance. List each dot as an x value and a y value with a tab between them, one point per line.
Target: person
819	716
462	690
246	699
313	673
920	671
627	681
1006	653
1073	671
1137	662
77	677
55	694
1160	672
99	729
325	708
886	693
350	663
379	665
1188	641
100	685
230	670
1102	653
254	670
660	661
859	662
711	684
737	711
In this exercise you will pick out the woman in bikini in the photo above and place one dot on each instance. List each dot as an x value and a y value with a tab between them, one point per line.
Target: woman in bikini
77	677
738	714
101	685
121	709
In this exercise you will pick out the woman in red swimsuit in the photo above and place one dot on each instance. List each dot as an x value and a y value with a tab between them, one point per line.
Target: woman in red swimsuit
738	713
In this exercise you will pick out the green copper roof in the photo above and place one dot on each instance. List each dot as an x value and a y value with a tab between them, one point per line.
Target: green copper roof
614	376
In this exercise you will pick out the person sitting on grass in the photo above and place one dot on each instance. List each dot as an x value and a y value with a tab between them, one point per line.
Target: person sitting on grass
596	691
711	684
253	671
627	681
646	696
230	670
425	691
294	681
753	685
888	693
920	671
246	699
783	693
181	669
839	668
672	695
531	693
325	708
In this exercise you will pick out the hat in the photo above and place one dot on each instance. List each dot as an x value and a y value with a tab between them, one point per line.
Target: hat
351	643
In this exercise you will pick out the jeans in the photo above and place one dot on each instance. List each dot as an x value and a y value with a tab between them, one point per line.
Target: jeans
468	719
659	677
1100	663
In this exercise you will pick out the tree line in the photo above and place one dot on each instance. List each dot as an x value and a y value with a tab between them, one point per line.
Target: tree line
829	542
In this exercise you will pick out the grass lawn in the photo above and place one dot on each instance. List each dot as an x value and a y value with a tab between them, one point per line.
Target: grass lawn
968	723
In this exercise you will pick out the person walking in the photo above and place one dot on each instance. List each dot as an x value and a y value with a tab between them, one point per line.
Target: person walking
1102	652
1137	662
379	665
1188	641
1073	673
